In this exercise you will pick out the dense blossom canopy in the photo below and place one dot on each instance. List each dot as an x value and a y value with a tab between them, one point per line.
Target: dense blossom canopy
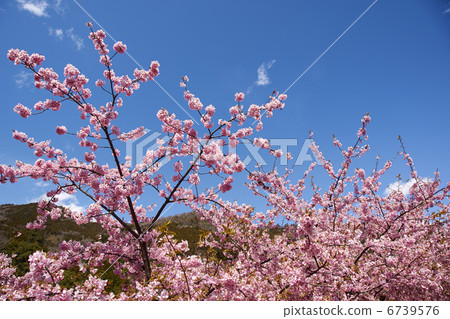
346	243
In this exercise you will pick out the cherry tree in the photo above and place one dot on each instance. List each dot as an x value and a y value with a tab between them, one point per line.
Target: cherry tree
345	243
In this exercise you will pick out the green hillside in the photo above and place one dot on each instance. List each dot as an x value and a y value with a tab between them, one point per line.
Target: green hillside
13	219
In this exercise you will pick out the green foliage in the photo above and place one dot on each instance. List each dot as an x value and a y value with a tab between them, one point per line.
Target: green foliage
22	249
13	219
74	276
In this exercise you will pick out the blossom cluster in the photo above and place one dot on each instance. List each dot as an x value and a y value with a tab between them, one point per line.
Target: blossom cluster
345	242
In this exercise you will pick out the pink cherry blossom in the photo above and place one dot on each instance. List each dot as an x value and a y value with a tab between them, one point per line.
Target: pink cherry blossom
342	239
194	179
239	97
89	157
61	130
22	110
120	47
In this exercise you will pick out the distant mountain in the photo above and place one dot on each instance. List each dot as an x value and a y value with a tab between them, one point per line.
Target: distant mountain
188	227
13	219
186	220
15	238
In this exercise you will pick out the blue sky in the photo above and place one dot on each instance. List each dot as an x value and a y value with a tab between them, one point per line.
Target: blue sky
393	63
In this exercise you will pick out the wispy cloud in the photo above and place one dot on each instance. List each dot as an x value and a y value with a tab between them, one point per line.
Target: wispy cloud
263	78
41	184
448	8
403	187
77	40
36	7
69	34
23	79
57	33
58	7
66	200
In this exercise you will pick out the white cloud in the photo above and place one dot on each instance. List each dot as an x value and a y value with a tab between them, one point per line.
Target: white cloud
23	79
57	33
66	200
41	184
58	7
402	187
448	8
70	201
69	147
78	41
36	7
263	78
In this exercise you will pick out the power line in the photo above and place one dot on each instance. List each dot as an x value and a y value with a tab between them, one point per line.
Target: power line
331	45
136	62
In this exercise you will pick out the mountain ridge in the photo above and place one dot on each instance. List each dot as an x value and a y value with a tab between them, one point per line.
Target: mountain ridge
16	239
